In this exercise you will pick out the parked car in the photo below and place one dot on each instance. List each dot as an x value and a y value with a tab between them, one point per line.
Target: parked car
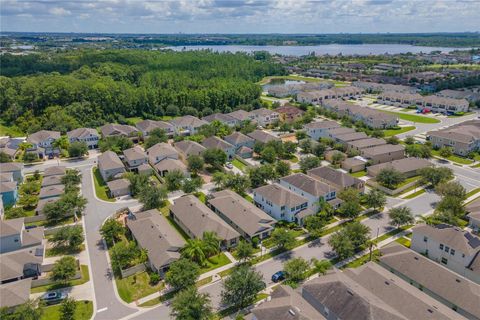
278	276
54	297
229	165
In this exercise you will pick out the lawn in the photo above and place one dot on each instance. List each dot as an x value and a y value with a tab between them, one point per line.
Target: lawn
474	191
136	286
54	286
390	234
362	260
215	262
101	189
359	174
293	159
201	196
415	194
134	120
61	251
83	311
10	131
407	181
404	242
413	117
248	198
453	158
239	165
177	227
393	132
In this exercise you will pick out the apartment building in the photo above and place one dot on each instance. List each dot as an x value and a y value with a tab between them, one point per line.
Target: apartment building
463	138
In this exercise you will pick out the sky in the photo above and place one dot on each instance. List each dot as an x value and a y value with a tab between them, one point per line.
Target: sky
240	16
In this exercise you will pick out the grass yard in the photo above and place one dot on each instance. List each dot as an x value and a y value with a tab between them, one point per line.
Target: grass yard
215	262
362	260
359	174
453	158
201	196
391	234
54	286
61	251
101	189
177	227
239	165
83	311
403	241
134	120
136	286
393	132
293	159
248	198
471	193
415	194
413	117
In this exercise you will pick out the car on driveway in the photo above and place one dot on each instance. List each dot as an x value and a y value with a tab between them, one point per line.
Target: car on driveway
54	297
229	165
278	276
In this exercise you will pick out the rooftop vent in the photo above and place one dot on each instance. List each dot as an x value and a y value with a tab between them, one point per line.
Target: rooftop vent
291	312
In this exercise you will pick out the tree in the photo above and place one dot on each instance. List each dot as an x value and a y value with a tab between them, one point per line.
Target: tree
74	202
157	135
409	140
419	151
378	134
452	189
342	245
182	274
211	243
137	182
215	158
350	207
174	180
4	157
260	175
268	154
123	254
191	185
375	199
357	233
64	269
390	178
282	169
72	177
194	250
61	143
321	266
56	211
337	158
296	269
30	156
152	197
344	242
319	149
309	162
195	164
435	175
401	216
67	309
77	149
244	250
189	304
315	225
68	236
446	152
115	143
219	179
30	310
237	182
306	146
282	238
111	230
393	140
240	288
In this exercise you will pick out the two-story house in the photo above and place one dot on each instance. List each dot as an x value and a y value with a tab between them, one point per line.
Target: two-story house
336	178
42	143
88	135
136	159
319	129
264	116
14	235
214	142
223	118
15	168
187	125
110	166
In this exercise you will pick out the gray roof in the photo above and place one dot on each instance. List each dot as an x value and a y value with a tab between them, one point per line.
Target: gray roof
11	167
308	184
188	120
243	213
11	227
383	149
340	131
135	153
466	132
12	263
6	176
280	196
109	160
189	148
81	133
237	137
161	149
43	202
447	284
198	218
263	112
8	186
43	135
51	191
352	162
51	180
113	129
327	124
216	143
118	184
240	115
335	176
402	165
351	136
54	171
149	125
473	206
170	165
367	143
155	234
222	117
15	293
454	237
262	136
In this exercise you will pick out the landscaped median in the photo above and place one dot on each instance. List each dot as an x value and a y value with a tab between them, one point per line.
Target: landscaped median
453	158
101	189
400	130
413	117
83	311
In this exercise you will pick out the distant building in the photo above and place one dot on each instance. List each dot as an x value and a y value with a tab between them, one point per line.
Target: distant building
289	113
122	130
264	116
383	153
161	151
409	167
336	178
223	118
463	138
319	129
263	136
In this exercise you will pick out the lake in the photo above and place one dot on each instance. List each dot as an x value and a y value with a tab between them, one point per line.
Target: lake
330	49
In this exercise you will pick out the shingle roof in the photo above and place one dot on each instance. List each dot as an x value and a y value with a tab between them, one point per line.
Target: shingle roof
238	137
222	117
43	135
54	171
12	263
188	121
351	136
149	125
402	165
240	115
51	180
6	176
161	149
367	143
189	148
43	202
8	186
80	133
464	132
264	112
280	196
50	191
454	237
109	160
322	125
216	143
386	148
135	153
308	184
262	136
170	165
15	293
11	227
11	167
337	177
118	184
113	129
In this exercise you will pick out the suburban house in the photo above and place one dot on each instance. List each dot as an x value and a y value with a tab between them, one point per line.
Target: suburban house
357	145
353	165
135	158
168	165
14	235
9	192
473	210
6	177
348	137
161	151
223	118
147	126
241	115
336	178
281	203
195	218
242	215
43	202
238	140
15	168
52	180
289	113
468	95
187	125
215	142
51	191
384	153
87	135
153	232
55	171
115	130
333	133
409	167
319	129
15	293
187	148
452	247
381	87
449	288
21	264
119	187
463	138
42	143
9	146
262	136
110	166
331	153
264	116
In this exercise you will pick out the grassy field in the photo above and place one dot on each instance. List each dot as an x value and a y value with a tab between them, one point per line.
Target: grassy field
394	132
215	262
83	311
413	117
237	163
54	286
453	158
101	189
137	286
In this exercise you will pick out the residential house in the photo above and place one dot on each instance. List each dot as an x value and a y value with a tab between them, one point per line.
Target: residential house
319	129
9	192
23	263
263	136
187	125
187	148
87	135
241	115
14	235
289	113
381	87
244	152
119	187
348	137
9	146
110	166
473	210
242	215
161	151
281	203
468	95
432	103
215	142
51	180
43	143
55	171
383	153
353	165
43	202
449	288
195	218
223	118
135	157
463	138
238	140
154	233
319	96
333	133
264	116
168	165
339	180
357	145
6	177
123	130
51	191
147	126
409	167
454	248
15	293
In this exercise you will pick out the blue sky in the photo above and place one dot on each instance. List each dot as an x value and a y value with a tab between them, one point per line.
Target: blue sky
240	16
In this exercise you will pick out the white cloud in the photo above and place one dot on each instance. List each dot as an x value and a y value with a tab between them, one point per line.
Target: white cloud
57	11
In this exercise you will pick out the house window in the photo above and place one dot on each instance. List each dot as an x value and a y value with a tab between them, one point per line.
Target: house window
441	246
447	249
444	260
452	252
425	239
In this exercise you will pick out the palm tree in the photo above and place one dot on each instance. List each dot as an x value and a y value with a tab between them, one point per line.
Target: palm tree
211	243
194	250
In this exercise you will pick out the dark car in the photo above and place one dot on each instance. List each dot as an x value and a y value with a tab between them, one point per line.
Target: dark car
54	297
278	276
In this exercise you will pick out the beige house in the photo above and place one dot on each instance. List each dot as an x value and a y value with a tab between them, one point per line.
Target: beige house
119	187
353	165
338	179
110	166
409	167
462	138
383	153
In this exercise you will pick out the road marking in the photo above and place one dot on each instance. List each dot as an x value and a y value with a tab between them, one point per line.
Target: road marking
101	310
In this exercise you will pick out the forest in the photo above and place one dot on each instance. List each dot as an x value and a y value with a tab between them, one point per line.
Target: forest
65	90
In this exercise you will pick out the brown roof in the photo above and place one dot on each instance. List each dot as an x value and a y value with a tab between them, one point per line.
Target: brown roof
188	120
466	132
351	136
402	165
367	143
149	125
290	110
15	293
262	136
109	160
352	162
113	129
386	148
80	133
474	205
118	184
189	148
43	135
335	176
161	149
170	165
280	196
454	237
135	153
237	137
216	143
308	184
8	186
240	115
327	124
55	171
222	117
43	202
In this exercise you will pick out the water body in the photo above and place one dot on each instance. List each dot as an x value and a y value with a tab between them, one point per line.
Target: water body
330	49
